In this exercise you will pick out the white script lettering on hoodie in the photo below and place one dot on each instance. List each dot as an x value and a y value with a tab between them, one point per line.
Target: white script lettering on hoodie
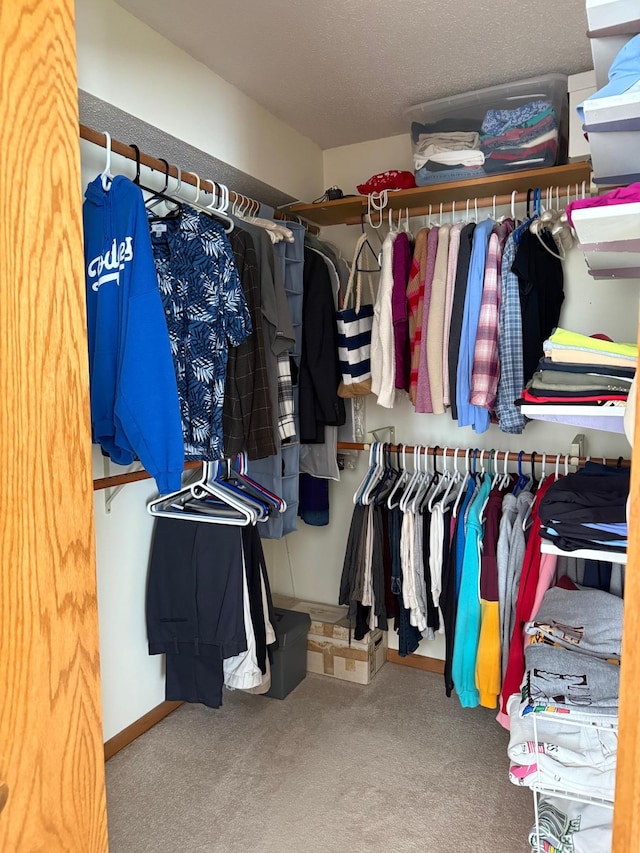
114	259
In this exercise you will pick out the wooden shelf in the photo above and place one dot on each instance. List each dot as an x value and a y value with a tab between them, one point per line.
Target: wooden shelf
609	418
347	211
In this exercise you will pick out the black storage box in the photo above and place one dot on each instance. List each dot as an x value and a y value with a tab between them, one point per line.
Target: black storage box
289	666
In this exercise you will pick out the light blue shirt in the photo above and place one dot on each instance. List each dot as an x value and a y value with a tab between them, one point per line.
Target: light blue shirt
469	415
468	617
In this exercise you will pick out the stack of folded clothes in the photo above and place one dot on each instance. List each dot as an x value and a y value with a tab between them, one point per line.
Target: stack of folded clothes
571	827
522	138
581	370
587	510
572	675
447	150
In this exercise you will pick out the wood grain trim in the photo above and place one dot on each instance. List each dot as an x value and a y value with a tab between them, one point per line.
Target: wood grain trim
349	209
51	757
417	662
148	721
626	816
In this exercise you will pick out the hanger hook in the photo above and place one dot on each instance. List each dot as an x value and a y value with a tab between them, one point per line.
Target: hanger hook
214	195
197	195
166	174
178	180
136	151
566	464
513	204
453	213
106	175
533	465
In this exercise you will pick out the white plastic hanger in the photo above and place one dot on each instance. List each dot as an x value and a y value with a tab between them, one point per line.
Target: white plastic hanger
359	491
220	210
417	472
106	177
463	486
378	474
401	481
377	201
505	474
196	197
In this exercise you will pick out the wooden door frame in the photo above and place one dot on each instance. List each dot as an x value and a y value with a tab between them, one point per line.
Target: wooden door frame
51	754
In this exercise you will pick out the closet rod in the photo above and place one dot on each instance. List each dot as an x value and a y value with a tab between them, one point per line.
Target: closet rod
512	455
98	138
461	206
133	477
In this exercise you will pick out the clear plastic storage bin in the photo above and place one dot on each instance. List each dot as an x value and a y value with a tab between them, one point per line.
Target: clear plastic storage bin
501	129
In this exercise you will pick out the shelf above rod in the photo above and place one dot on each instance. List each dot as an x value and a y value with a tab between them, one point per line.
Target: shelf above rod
348	210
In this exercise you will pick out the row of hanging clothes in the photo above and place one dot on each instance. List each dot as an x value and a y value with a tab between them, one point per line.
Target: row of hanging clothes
458	552
463	309
211	332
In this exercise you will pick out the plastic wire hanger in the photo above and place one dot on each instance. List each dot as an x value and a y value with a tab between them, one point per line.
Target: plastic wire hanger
158	196
365	246
232	511
523	479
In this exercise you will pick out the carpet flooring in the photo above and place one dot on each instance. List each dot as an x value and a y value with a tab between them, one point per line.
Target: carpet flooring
394	766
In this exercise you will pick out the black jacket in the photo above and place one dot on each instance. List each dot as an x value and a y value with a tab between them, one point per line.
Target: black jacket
320	375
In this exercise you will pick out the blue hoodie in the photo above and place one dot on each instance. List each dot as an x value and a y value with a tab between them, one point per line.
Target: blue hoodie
135	411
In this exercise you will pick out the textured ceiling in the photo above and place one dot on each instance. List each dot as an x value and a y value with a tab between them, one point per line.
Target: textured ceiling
343	71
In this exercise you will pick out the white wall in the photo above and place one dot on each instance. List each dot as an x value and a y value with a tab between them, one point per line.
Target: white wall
126	63
309	563
350	165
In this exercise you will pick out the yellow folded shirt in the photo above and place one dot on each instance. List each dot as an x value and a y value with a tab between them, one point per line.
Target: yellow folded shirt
563	337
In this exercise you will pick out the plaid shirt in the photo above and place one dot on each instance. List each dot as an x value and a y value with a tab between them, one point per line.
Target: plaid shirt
486	361
511	380
286	422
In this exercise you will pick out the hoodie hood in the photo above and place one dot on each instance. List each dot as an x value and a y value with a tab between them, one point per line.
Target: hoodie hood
95	194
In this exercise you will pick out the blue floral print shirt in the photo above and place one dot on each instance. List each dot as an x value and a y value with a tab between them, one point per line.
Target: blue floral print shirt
206	312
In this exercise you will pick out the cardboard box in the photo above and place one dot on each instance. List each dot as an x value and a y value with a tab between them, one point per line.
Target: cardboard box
329	651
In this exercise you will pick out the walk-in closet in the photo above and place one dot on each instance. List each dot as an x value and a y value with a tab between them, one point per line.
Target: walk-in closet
318	341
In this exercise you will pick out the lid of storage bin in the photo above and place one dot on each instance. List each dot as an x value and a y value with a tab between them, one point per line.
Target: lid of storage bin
474	105
290	626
